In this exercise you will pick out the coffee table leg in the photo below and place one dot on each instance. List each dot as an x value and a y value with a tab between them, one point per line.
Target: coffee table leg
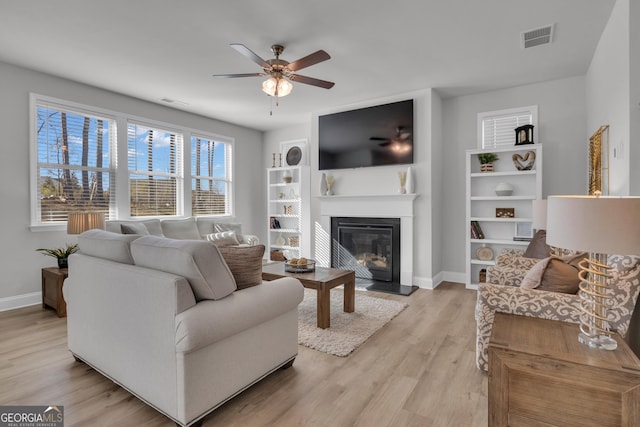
324	299
350	295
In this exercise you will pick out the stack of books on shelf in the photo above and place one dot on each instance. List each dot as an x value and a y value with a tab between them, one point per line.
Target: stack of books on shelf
476	230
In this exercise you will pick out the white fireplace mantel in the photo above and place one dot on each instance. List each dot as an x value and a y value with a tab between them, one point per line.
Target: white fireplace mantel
377	206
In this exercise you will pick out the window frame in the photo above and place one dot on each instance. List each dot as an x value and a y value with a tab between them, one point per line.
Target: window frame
229	166
119	207
530	109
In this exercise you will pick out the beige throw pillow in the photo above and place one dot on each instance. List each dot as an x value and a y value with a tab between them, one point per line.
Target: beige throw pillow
224	238
554	275
245	263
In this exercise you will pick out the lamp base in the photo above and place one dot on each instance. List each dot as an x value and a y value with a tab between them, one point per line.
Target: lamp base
602	342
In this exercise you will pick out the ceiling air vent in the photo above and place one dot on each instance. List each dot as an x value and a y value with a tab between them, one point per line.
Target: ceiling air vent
537	36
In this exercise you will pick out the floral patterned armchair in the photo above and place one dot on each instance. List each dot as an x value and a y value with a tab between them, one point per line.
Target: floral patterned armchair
503	293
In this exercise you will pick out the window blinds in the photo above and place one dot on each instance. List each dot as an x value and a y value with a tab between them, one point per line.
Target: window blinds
210	177
499	130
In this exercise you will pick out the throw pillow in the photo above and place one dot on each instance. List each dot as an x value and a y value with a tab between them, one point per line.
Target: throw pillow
224	238
105	244
554	275
134	228
538	247
245	264
220	227
196	260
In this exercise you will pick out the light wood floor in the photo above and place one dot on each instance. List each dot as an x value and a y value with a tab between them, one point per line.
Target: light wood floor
419	370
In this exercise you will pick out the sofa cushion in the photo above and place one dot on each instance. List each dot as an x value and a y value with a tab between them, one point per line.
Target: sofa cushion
245	264
225	238
183	229
107	245
197	261
134	228
538	247
554	275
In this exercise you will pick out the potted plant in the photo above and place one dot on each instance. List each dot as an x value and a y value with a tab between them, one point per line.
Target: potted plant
486	161
61	254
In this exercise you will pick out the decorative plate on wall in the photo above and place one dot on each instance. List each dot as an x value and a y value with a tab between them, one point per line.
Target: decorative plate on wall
294	155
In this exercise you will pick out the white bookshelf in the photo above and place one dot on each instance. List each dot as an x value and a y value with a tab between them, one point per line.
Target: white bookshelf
288	203
482	201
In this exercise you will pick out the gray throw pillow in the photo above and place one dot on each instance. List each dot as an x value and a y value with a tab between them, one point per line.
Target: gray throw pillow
134	228
538	247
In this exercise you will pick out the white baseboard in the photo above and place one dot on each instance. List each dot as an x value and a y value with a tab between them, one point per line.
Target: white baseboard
443	276
10	303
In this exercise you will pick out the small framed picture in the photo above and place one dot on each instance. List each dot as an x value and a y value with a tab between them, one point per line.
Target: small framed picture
523	231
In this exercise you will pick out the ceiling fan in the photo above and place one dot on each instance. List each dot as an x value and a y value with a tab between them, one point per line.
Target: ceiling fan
281	71
398	142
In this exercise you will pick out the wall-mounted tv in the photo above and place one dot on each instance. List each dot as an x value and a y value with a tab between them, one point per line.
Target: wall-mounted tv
372	136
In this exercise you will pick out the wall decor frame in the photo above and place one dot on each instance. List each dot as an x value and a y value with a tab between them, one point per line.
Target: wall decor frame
523	231
599	161
505	212
295	153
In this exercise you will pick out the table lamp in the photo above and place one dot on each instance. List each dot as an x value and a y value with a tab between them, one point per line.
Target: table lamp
599	226
539	214
79	222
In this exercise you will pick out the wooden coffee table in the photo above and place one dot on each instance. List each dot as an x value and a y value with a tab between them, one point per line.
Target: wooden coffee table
322	280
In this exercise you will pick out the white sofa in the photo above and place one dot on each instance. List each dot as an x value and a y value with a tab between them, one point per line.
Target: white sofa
193	228
162	318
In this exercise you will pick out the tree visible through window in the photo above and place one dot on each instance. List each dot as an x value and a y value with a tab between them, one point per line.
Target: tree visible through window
153	178
73	151
210	176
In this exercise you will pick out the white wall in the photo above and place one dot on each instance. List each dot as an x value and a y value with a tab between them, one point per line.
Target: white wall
561	130
20	264
376	180
608	95
634	74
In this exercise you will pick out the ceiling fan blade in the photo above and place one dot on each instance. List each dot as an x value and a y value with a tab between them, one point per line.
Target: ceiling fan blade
311	81
308	60
231	76
249	54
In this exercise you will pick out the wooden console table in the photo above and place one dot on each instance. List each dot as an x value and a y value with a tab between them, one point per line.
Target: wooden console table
539	374
52	280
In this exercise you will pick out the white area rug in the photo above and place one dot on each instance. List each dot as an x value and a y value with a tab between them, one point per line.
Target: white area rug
348	330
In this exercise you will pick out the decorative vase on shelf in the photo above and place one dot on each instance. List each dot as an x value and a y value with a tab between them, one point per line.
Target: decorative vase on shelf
409	183
329	180
280	240
402	176
323	184
504	189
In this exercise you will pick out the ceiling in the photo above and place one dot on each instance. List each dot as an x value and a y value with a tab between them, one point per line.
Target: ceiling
155	49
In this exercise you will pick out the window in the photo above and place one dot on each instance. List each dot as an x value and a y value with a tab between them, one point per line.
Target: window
497	128
74	155
210	176
161	169
153	170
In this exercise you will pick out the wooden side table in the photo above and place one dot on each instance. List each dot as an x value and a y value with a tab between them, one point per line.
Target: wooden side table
52	280
539	374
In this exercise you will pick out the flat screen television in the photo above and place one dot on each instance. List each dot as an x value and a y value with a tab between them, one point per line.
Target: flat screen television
372	136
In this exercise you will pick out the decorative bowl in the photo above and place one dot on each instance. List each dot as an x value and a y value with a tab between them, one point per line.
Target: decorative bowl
293	266
504	189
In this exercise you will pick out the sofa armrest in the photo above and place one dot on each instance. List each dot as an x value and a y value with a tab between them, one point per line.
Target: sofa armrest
516	300
510	270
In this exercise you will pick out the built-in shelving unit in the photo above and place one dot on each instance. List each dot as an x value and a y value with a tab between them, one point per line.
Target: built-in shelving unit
288	209
482	201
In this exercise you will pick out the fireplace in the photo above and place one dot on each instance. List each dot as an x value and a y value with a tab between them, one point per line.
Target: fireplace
369	246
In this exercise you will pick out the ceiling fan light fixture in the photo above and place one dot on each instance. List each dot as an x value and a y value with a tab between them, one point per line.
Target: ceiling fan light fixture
277	86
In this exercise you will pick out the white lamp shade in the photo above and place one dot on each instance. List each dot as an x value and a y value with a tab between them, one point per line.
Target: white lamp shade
539	215
606	225
79	222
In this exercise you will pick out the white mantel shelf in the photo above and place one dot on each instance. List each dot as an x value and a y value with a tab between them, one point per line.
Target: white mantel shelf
377	197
